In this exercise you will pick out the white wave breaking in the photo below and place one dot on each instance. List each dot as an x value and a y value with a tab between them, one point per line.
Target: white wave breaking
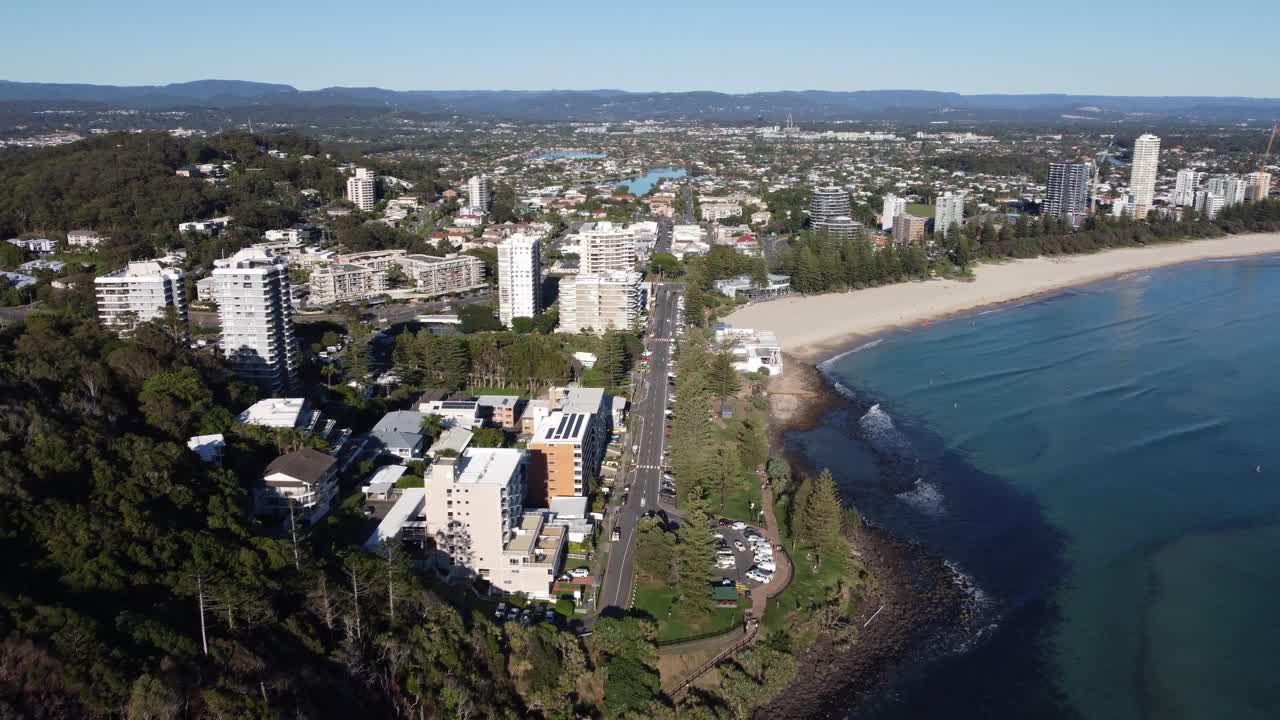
925	497
982	607
880	431
825	364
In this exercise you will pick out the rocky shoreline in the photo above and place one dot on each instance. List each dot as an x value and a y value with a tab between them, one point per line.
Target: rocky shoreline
919	607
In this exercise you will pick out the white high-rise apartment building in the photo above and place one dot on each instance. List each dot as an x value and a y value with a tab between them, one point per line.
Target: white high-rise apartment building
1184	190
138	292
598	302
473	510
361	190
893	207
519	277
478	192
1232	188
606	246
1209	203
256	314
1142	176
950	211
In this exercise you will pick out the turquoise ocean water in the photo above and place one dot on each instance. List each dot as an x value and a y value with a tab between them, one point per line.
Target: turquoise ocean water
1104	466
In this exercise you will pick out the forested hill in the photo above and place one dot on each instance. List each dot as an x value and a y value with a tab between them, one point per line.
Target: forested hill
112	531
611	105
123	182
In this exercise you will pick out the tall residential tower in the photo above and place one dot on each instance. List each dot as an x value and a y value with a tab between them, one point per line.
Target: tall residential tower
361	189
950	211
1142	176
256	314
1067	192
519	277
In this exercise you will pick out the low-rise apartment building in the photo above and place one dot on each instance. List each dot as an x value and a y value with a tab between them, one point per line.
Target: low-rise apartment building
564	456
502	410
345	283
139	292
443	275
374	259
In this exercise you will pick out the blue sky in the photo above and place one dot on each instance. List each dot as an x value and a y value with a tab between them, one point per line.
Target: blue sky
1082	46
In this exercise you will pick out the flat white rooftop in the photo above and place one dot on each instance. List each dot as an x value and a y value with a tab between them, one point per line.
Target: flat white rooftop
481	466
274	412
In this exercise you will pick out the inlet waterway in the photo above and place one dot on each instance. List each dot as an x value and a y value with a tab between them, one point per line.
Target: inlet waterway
1103	466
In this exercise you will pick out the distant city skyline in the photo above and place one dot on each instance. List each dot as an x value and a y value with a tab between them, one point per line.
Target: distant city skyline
1086	48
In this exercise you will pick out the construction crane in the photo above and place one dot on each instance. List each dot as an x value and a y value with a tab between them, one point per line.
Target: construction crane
1262	163
1261	185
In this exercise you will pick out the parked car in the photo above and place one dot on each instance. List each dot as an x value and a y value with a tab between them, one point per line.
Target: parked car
580	572
501	612
737	545
617	533
739	525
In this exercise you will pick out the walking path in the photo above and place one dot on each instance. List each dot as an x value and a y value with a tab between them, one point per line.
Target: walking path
759	597
782	575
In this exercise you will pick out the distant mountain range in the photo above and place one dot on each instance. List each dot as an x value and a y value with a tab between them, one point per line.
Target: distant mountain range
616	105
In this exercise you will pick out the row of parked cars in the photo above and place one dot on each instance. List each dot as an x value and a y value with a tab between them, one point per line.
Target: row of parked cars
762	553
525	617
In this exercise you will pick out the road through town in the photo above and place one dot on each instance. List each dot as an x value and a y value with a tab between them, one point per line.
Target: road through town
649	433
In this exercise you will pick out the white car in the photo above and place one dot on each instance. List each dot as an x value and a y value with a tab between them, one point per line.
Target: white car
737	545
726	563
579	572
757	576
766	566
738	525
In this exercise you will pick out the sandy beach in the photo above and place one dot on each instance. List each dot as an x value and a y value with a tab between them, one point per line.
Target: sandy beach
811	328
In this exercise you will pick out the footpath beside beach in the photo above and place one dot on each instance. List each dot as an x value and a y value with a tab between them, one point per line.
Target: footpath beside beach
816	326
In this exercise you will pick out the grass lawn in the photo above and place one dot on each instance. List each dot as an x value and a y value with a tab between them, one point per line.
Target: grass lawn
737	502
495	390
658	599
921	209
808	588
571	563
409	481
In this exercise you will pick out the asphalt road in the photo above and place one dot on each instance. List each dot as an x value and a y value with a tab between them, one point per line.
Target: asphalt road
663	242
650	414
